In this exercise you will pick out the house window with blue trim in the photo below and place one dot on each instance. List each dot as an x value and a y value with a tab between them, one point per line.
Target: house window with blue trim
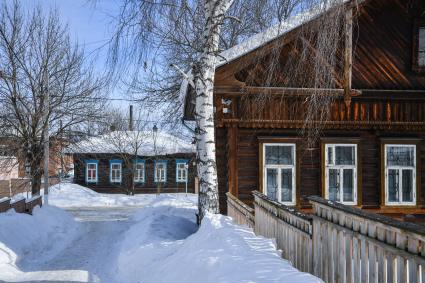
115	171
181	170
139	171
160	171
91	171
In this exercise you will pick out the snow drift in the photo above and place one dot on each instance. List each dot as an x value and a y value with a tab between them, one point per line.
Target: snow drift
69	196
24	237
165	246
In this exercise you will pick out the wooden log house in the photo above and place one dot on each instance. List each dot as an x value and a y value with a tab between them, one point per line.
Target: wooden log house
371	151
109	163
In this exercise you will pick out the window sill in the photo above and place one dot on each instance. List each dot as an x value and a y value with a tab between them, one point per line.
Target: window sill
400	205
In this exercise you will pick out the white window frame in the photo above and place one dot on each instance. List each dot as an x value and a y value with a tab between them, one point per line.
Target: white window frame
179	170
162	180
400	168
139	178
279	169
87	172
341	168
116	180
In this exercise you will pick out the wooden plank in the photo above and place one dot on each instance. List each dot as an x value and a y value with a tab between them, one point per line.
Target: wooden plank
381	264
342	258
413	272
364	266
356	261
372	264
233	160
401	270
390	268
349	258
348	56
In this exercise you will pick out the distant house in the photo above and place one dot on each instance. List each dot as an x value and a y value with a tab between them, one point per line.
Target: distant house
13	178
113	162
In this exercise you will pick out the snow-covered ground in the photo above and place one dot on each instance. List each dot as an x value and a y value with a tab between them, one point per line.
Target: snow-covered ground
145	238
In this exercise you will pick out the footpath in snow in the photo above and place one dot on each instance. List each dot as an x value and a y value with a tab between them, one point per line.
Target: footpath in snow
143	238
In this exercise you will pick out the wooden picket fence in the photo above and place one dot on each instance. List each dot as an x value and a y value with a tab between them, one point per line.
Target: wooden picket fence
240	212
339	243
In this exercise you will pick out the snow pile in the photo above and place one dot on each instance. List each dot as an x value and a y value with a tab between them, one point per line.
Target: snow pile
69	196
23	238
165	247
132	141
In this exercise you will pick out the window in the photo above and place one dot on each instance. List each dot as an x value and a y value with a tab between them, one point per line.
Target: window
341	173
91	171
160	171
400	174
421	47
279	172
115	174
181	171
139	172
418	44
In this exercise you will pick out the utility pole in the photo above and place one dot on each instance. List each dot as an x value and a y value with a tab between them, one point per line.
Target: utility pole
131	125
186	167
46	139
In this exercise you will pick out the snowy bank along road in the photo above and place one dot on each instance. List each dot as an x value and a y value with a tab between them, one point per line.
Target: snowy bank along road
88	237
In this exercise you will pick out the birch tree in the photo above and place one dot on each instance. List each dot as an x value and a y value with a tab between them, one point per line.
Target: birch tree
189	35
37	57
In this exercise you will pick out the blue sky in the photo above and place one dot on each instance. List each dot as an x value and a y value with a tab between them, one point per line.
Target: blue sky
90	24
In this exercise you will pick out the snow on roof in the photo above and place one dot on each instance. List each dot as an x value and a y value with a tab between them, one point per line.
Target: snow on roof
274	32
264	37
132	141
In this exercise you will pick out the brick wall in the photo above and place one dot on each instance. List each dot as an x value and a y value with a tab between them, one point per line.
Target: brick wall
15	186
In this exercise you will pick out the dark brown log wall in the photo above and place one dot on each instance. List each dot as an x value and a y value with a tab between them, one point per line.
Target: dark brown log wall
309	171
149	186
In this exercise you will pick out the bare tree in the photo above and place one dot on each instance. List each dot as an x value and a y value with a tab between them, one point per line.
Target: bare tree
127	140
37	58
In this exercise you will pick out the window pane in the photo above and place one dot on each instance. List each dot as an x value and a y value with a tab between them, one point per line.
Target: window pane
330	155
272	184
282	155
348	185
421	47
407	186
344	155
400	156
286	175
333	185
393	185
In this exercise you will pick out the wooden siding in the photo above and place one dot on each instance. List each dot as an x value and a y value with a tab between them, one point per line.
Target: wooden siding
149	186
309	178
384	45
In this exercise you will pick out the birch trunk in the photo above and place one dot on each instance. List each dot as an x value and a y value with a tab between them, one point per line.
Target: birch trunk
204	72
